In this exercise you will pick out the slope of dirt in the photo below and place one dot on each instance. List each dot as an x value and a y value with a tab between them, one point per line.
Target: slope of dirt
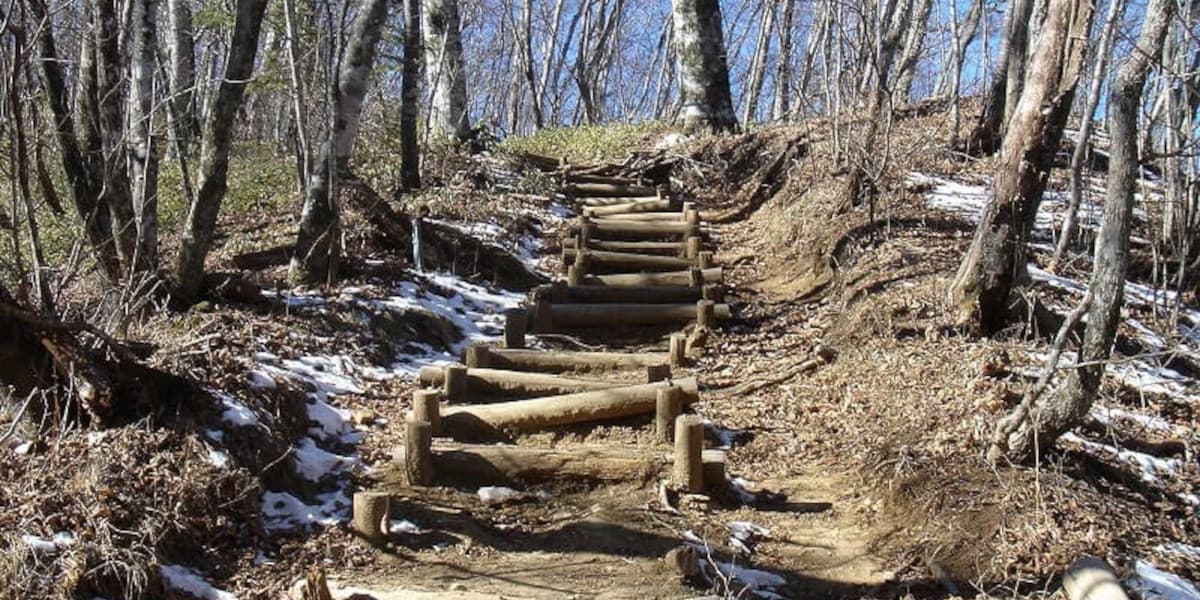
869	466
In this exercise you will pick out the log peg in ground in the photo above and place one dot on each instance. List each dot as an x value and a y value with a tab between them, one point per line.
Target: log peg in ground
574	276
370	516
668	406
516	322
688	470
427	406
418	453
706	313
692	218
658	373
1090	578
587	229
704	260
477	356
695	277
678	349
663	191
712	292
455	385
692	247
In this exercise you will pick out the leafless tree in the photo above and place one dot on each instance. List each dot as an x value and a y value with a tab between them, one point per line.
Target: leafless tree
703	75
996	260
1040	422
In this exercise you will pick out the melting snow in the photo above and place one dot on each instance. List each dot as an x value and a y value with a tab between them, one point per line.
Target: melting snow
60	540
236	413
404	526
282	510
1152	583
188	580
314	463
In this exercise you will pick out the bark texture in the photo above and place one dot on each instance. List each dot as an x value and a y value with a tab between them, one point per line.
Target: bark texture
1066	409
444	73
410	154
317	249
214	151
996	260
703	73
989	131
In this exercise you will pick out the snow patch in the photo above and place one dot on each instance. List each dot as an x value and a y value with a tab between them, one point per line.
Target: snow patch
315	463
188	580
1152	583
282	511
398	526
235	413
41	545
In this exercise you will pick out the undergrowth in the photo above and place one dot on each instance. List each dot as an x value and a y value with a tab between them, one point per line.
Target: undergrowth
587	142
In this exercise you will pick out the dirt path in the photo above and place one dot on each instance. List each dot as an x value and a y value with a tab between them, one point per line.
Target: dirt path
799	532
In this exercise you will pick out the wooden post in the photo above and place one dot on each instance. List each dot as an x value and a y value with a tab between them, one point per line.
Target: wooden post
678	349
455	388
695	277
427	406
574	277
418	453
477	356
692	251
515	322
586	229
667	407
689	444
658	373
370	516
705	313
712	292
704	260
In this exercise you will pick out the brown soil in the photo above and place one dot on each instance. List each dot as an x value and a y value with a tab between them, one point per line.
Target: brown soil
878	453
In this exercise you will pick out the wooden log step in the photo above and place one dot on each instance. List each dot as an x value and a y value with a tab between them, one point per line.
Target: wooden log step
659	248
692	277
571	316
558	361
622	228
488	420
572	177
640	206
482	381
652	216
604	261
583	189
650	294
612	200
496	464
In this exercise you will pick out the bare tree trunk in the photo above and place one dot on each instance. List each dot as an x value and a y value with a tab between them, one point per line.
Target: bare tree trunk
781	100
1115	8
303	151
109	103
996	260
914	39
892	22
183	71
78	163
317	244
758	64
527	66
703	75
1016	435
956	65
214	151
444	72
144	152
966	32
410	151
989	131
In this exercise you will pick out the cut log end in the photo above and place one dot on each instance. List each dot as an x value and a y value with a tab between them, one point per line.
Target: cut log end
370	516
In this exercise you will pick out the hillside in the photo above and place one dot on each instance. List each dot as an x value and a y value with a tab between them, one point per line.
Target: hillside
852	408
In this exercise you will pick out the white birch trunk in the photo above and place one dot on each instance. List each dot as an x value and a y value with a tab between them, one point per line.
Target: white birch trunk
444	71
